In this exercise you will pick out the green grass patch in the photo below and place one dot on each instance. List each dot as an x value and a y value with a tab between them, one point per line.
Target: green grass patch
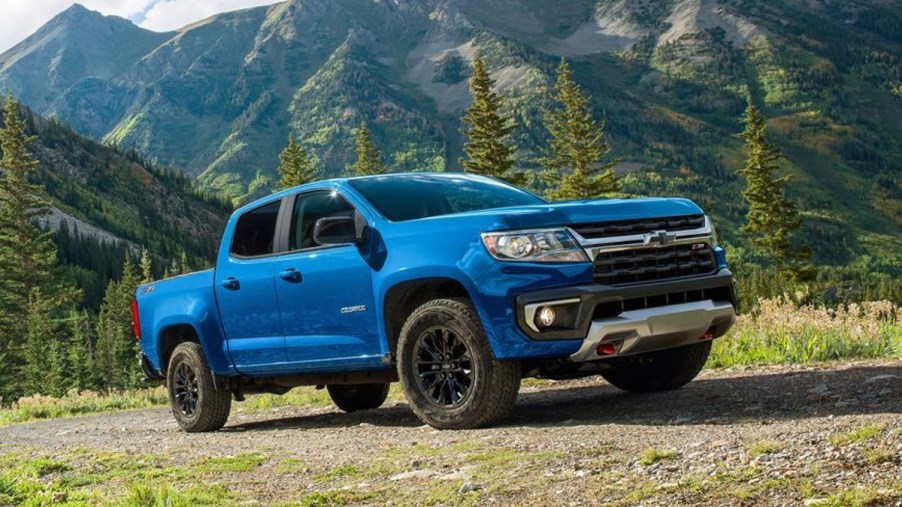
239	463
34	408
781	331
339	472
291	466
858	435
149	494
765	447
652	455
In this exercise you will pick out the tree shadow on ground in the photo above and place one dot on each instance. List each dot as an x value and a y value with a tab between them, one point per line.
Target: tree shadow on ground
746	398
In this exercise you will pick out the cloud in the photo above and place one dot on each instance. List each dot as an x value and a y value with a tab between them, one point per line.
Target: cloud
21	18
171	14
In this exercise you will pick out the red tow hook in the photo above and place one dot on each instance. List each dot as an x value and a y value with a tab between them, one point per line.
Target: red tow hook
606	349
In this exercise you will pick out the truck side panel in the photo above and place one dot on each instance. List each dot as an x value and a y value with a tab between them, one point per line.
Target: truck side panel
184	300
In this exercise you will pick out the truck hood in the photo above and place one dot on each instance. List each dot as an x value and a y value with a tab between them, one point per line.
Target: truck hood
589	211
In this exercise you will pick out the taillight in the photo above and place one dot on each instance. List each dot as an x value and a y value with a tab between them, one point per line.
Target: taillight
136	325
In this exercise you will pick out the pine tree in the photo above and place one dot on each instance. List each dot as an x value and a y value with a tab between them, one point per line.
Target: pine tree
772	218
488	131
574	167
46	368
116	348
369	158
146	265
295	166
27	255
84	373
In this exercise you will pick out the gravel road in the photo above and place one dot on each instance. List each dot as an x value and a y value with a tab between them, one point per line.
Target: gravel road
783	435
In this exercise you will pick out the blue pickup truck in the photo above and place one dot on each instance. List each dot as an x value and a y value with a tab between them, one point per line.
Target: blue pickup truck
455	285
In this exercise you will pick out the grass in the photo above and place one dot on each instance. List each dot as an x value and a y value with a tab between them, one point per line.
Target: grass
653	455
84	477
239	463
34	408
782	331
779	331
765	447
858	435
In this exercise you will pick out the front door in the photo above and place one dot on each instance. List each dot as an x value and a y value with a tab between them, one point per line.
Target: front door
246	293
325	293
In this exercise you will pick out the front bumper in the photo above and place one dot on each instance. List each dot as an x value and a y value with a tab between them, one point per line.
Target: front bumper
636	318
665	327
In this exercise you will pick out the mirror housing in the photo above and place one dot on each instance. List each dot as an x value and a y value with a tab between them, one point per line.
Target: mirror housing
330	231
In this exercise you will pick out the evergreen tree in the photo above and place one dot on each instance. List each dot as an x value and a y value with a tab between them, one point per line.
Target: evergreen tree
7	387
116	347
295	166
369	158
772	218
84	373
27	255
574	167
46	368
146	266
488	131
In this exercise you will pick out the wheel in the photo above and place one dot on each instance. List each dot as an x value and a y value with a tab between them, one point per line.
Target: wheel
659	371
449	374
196	404
354	397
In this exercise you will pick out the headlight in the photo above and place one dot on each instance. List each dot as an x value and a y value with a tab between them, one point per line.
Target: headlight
713	232
546	245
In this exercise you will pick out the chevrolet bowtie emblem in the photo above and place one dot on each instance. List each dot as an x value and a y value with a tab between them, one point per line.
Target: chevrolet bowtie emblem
660	238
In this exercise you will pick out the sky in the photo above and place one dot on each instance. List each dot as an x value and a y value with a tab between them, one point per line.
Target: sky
21	18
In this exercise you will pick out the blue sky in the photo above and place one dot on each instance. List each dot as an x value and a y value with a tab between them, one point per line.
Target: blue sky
20	18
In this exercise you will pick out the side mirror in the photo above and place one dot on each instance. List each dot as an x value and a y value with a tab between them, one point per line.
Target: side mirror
340	230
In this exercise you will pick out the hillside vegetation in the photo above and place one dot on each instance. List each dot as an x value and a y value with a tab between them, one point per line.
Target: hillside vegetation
106	201
219	97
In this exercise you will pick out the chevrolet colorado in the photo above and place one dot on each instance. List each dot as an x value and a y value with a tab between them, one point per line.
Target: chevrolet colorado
455	285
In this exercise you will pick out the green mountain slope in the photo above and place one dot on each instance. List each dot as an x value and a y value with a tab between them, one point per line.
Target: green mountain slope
219	97
105	202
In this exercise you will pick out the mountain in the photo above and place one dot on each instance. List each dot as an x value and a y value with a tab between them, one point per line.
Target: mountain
105	202
218	98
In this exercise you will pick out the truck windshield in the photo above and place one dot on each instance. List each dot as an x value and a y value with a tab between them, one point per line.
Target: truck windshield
414	196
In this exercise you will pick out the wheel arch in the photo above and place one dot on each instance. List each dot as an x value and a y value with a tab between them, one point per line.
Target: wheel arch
403	298
171	337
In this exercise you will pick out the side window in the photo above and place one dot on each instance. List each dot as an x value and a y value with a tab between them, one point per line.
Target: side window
310	207
255	231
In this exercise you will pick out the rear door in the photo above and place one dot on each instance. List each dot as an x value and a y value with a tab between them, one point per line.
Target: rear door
246	293
325	292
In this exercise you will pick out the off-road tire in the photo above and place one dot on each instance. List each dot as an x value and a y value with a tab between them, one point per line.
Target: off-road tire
659	371
212	406
493	386
354	397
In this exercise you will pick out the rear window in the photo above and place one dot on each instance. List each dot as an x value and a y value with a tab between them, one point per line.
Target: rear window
255	231
409	197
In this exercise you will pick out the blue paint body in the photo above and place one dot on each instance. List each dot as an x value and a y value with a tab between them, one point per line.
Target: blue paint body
267	325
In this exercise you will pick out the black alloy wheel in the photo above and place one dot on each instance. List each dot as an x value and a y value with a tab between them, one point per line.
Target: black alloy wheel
444	367
185	388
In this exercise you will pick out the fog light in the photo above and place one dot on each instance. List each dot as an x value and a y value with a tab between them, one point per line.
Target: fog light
545	316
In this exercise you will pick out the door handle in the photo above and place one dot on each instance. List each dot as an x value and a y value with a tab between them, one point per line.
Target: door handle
290	275
230	283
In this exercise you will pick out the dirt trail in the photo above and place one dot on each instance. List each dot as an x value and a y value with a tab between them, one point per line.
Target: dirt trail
774	435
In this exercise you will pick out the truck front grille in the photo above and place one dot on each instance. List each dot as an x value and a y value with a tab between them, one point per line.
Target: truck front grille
649	264
644	226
